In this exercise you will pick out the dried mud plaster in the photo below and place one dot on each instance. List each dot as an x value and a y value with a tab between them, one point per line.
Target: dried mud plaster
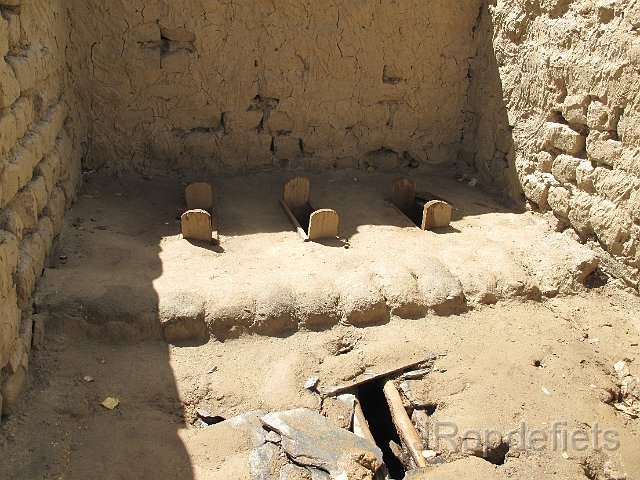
537	99
233	86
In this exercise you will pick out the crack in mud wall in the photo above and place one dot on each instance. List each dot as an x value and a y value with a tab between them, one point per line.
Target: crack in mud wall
231	87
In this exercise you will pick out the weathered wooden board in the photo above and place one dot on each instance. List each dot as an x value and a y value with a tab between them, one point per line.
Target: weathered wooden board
435	214
199	196
296	193
403	193
406	431
425	362
294	220
196	225
323	223
360	424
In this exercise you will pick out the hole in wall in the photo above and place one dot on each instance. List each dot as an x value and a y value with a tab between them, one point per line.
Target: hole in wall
496	454
303	215
596	279
428	408
375	409
556	116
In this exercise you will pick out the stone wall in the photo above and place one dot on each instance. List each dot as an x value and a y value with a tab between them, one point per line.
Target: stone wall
232	87
570	71
40	154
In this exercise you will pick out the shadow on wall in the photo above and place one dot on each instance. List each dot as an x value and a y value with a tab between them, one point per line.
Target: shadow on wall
76	436
488	143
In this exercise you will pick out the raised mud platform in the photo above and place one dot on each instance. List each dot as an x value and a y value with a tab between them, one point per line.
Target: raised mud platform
123	264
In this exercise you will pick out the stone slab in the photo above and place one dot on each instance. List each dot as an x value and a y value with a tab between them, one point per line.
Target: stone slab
313	440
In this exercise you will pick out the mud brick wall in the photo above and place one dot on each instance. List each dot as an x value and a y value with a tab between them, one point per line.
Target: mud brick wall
232	87
39	168
570	74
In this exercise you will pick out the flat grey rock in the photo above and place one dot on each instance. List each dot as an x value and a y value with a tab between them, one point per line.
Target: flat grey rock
261	461
293	472
317	474
313	440
250	423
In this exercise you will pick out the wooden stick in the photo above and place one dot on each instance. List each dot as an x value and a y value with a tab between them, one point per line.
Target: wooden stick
360	424
330	392
294	220
403	424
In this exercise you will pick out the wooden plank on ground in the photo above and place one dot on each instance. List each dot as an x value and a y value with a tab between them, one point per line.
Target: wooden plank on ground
403	193
196	225
435	214
323	223
360	424
296	193
405	428
199	196
294	220
422	363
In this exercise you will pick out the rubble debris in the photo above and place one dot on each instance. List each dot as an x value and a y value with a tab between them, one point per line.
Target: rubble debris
294	472
250	422
273	437
209	418
110	403
415	374
312	383
429	453
310	439
339	410
628	395
262	462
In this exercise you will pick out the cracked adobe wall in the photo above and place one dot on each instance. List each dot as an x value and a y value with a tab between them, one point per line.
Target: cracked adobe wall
230	87
40	151
570	71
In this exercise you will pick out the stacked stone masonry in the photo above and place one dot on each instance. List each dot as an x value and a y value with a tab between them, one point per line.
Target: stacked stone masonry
39	168
570	72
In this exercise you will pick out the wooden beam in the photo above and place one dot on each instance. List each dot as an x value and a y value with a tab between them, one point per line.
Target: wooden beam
403	424
294	220
360	424
199	196
330	392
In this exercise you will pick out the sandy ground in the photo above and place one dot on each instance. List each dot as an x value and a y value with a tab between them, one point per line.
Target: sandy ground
125	266
487	379
543	353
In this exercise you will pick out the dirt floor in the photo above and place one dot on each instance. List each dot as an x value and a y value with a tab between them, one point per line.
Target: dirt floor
124	265
525	344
